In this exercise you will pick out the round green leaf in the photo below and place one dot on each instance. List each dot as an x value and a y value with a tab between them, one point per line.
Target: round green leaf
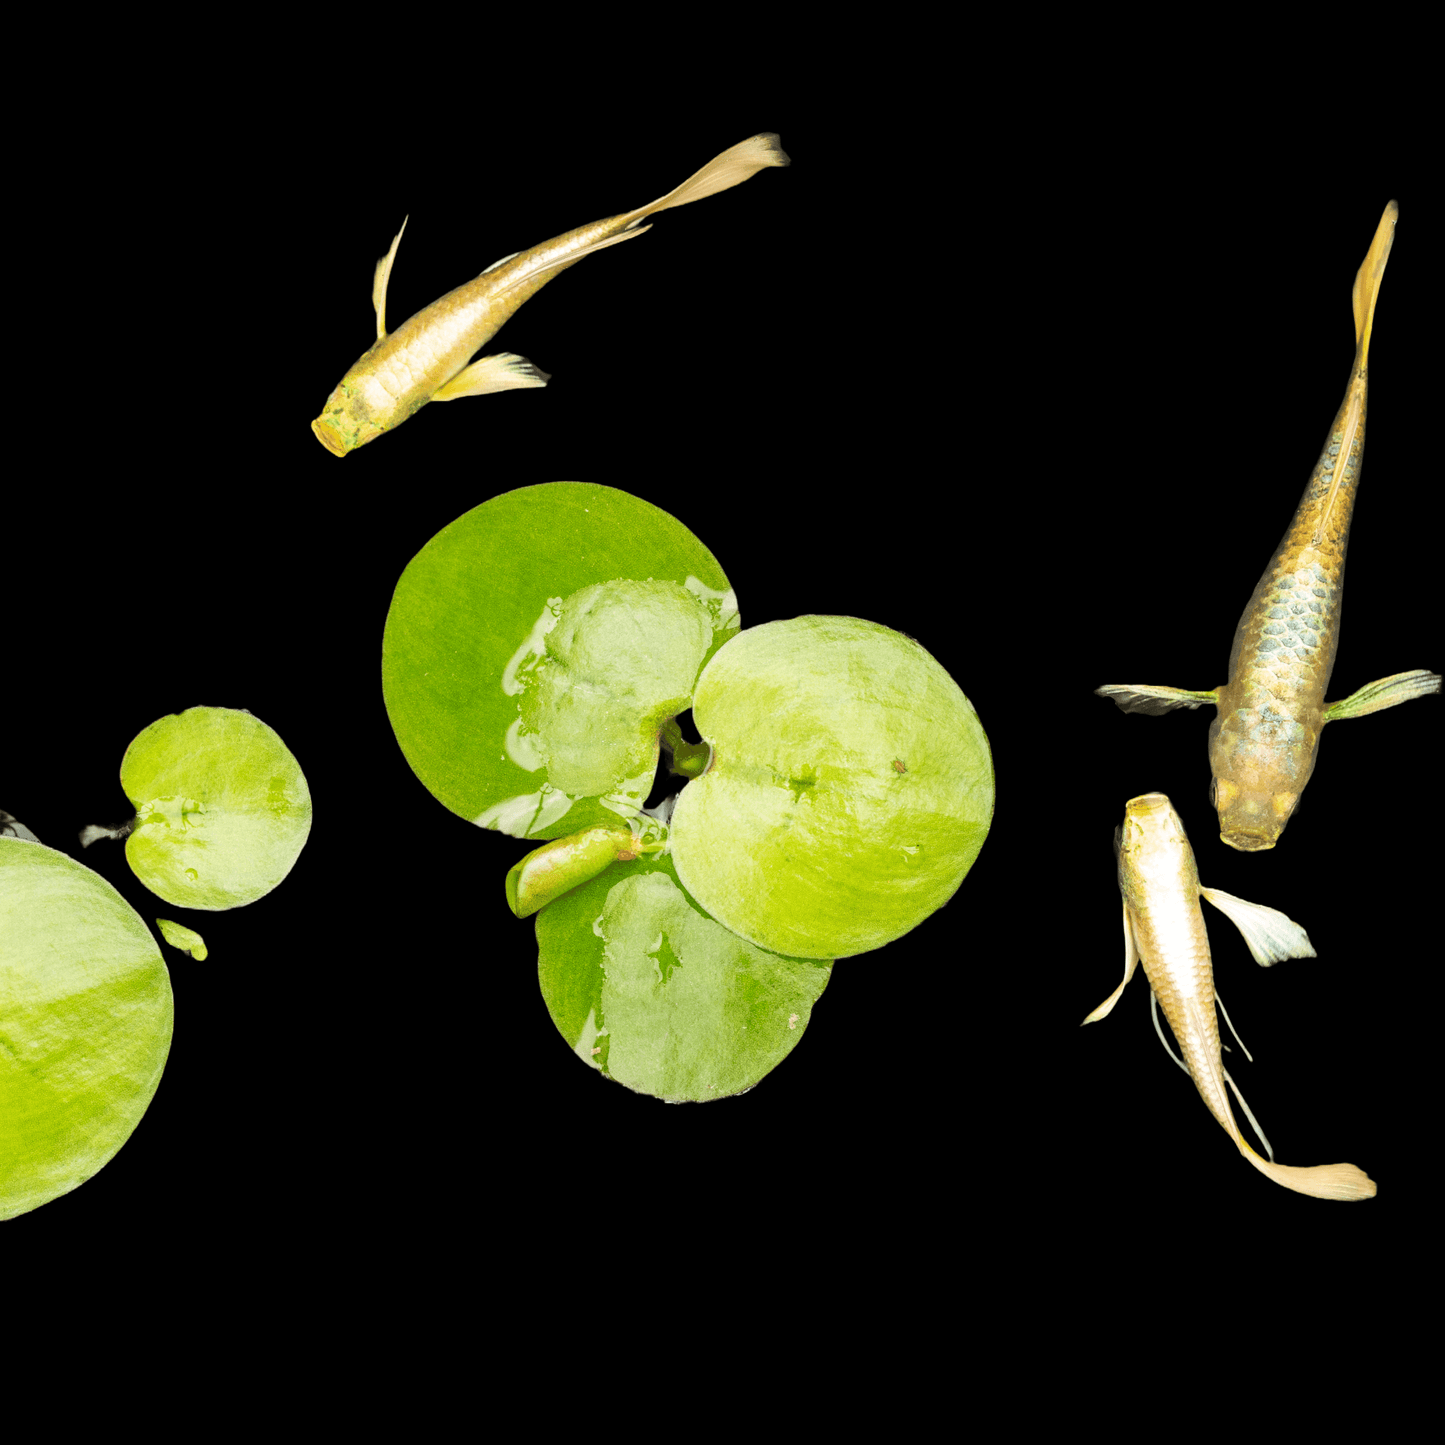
535	647
85	1023
648	989
850	790
222	808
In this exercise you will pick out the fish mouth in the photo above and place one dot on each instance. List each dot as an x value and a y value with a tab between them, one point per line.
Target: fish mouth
329	437
1248	842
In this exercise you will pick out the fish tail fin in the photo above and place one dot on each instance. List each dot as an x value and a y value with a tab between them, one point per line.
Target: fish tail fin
722	172
1324	1181
1367	282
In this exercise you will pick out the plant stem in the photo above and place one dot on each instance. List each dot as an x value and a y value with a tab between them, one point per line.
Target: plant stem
689	760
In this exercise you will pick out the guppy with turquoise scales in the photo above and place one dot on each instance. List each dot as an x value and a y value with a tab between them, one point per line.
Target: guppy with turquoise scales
1265	736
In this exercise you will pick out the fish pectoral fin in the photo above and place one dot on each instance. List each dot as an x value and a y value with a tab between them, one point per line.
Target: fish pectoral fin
1131	962
1270	935
530	273
1134	697
503	372
378	283
1387	692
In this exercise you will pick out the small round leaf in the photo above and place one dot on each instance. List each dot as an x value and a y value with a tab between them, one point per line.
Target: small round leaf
222	808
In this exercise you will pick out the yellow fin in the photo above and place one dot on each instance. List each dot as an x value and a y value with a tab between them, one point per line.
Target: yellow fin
504	372
1324	1181
723	172
1131	962
1367	282
378	282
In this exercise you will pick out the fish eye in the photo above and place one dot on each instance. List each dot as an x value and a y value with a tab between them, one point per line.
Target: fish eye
1213	793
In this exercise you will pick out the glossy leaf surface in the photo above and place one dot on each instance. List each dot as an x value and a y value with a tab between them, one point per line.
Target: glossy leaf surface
85	1023
648	989
850	790
535	647
222	808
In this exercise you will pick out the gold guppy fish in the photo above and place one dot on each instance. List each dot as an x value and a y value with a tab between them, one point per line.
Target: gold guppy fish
1164	928
426	358
1265	735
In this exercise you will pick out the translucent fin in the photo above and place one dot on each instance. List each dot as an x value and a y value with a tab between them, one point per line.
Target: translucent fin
1367	282
1387	692
504	372
1235	1032
1134	697
1324	1181
721	173
1270	935
378	283
1131	962
1248	1112
1154	1012
12	827
93	832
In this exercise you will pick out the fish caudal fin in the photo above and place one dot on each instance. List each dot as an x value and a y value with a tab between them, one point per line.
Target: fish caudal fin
723	172
1367	281
1324	1181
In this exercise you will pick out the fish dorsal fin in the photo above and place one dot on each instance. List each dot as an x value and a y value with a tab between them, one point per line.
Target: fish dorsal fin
1270	935
378	283
1131	962
511	255
1343	458
1367	282
1154	1012
530	273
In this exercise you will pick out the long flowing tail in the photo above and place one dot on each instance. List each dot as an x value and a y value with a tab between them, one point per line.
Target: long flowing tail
1324	1181
723	172
1367	280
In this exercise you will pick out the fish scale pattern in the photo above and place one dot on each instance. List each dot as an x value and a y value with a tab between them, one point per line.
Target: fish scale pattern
1284	651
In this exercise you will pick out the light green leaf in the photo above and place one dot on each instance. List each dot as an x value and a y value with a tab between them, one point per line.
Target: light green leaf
222	808
85	1023
186	939
535	647
648	989
851	787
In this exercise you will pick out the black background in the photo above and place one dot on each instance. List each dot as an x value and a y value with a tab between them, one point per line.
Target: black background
1047	414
